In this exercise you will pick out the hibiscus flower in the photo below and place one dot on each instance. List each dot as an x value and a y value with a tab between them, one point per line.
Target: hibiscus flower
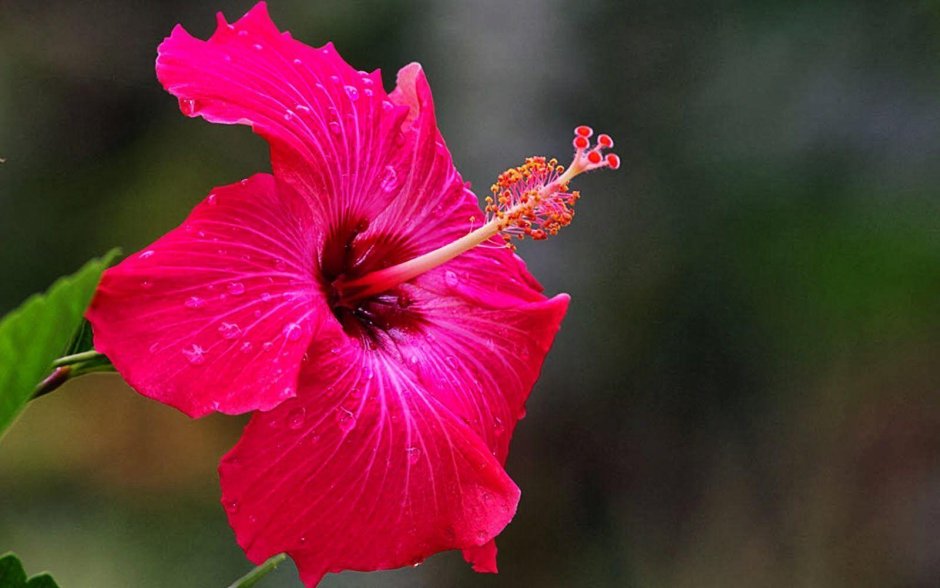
345	298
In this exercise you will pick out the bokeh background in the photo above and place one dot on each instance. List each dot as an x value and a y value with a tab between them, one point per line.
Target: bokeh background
746	391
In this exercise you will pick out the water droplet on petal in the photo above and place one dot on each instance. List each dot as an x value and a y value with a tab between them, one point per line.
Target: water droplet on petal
295	418
236	288
451	279
153	347
195	354
211	200
297	61
293	331
335	128
146	284
229	330
231	506
335	350
302	108
287	392
146	254
386	105
303	540
352	92
389	179
367	92
258	46
246	347
288	114
414	454
498	425
345	419
194	302
267	346
187	106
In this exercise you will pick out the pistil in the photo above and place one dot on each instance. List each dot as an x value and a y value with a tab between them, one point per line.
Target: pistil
530	200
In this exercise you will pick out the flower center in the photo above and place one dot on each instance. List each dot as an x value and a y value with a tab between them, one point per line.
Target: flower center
530	200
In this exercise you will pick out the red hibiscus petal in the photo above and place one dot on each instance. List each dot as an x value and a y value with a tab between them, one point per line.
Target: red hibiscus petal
217	314
334	134
364	470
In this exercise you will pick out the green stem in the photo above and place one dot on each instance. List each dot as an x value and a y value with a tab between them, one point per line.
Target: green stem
72	366
78	358
252	577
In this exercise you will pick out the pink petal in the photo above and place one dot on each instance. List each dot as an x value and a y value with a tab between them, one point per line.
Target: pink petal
217	314
334	134
364	470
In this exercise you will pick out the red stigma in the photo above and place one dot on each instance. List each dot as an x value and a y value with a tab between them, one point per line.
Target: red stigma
584	131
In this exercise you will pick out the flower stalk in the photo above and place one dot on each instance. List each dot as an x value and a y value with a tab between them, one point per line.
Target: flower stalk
255	575
72	366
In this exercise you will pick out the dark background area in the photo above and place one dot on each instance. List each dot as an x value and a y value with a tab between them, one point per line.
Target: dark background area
746	390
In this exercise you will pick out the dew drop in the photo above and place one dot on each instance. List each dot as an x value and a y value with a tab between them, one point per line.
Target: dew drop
242	33
366	80
231	506
335	350
187	106
287	392
194	302
288	114
146	284
334	79
451	279
302	108
258	46
246	347
267	346
236	288
293	331
389	179
298	62
153	347
146	254
352	92
367	92
229	330
303	540
414	454
335	128
195	354
345	419
211	200
295	418
386	105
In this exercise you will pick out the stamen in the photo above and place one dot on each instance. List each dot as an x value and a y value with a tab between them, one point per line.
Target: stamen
531	200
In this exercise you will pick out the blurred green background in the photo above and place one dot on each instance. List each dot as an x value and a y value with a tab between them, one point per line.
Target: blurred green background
746	390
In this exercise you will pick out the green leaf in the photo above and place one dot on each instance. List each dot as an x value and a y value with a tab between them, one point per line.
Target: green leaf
12	575
39	331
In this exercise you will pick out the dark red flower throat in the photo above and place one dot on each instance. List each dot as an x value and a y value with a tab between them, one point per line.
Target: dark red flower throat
352	252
